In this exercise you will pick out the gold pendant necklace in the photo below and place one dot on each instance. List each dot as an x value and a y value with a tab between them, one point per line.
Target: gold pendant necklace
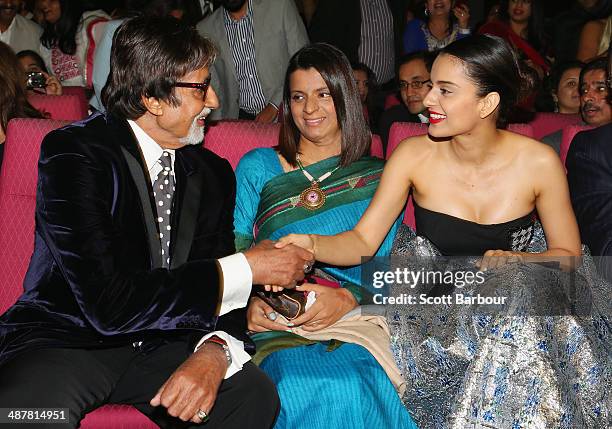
313	197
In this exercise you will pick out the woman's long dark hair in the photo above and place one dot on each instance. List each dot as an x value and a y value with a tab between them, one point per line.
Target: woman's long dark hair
535	27
336	71
62	34
13	99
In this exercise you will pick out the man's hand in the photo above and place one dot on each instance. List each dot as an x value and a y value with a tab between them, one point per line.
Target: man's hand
330	306
194	385
267	115
272	266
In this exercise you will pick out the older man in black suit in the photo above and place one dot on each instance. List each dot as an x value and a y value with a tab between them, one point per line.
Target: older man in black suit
133	294
589	173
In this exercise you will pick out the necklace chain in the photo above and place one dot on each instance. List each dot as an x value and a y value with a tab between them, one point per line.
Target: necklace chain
309	176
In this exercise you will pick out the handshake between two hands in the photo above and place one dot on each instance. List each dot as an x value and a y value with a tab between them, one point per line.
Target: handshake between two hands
281	264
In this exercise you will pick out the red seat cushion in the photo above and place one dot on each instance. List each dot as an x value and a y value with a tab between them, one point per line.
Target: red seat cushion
60	107
117	417
17	203
569	132
546	123
232	139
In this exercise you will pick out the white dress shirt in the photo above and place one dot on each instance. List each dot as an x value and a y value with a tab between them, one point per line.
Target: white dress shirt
237	275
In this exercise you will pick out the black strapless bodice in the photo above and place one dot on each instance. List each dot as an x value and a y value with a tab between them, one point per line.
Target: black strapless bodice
459	237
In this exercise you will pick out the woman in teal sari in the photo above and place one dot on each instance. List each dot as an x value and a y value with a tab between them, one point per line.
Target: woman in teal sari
317	179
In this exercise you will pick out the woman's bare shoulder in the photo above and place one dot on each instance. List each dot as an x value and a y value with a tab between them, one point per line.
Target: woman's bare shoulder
417	146
532	152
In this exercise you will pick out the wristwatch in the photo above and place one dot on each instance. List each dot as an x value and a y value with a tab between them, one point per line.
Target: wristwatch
221	343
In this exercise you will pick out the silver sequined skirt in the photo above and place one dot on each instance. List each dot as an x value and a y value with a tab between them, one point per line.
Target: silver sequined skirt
471	369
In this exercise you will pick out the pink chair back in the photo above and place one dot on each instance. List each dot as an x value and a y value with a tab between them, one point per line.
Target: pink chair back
392	100
522	129
79	91
376	148
401	131
59	107
546	123
233	139
569	132
17	202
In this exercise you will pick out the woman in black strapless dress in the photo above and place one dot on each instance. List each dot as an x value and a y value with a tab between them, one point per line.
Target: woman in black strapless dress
477	191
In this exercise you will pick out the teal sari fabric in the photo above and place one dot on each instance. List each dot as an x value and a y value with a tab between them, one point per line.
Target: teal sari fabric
319	384
267	202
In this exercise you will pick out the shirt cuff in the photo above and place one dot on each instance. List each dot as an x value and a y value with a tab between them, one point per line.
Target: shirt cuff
237	282
464	31
236	350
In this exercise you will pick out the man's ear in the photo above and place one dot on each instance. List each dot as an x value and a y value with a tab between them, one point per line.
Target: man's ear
488	104
153	105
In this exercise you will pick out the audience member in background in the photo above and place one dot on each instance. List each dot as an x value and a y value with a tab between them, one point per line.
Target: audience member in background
444	22
414	84
65	40
565	85
594	39
16	31
521	23
364	79
594	103
589	173
102	53
13	94
255	39
565	27
33	63
367	31
323	138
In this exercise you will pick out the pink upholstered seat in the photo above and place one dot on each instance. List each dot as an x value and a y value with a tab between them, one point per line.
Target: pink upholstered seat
522	129
402	130
546	123
569	132
376	149
232	139
79	91
17	202
60	107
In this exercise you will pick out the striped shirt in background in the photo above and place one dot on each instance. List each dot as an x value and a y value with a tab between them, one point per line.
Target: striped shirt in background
377	47
242	44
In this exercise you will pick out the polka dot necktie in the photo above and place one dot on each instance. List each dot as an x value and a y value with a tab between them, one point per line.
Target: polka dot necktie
163	190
